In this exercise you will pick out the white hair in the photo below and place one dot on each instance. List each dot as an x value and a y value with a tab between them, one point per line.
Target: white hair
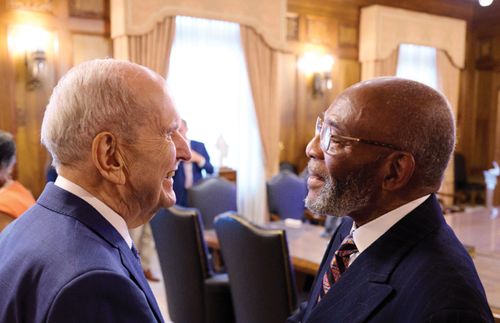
92	97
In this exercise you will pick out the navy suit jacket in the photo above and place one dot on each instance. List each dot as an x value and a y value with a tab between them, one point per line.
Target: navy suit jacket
61	261
417	271
180	176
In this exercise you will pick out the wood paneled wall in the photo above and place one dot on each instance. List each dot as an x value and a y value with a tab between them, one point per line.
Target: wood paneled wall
333	26
21	108
478	121
325	27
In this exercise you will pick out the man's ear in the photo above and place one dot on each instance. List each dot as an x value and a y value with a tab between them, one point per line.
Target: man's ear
107	158
400	169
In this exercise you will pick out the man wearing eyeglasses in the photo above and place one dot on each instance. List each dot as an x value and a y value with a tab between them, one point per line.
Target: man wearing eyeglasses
377	159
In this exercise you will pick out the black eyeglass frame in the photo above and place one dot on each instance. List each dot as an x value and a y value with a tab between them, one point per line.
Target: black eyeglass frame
326	143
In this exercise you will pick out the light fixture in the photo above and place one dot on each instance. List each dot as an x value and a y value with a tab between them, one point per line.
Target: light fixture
485	3
31	43
320	66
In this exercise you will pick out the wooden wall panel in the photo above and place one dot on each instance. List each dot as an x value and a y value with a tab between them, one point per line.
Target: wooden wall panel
7	114
330	29
86	47
21	108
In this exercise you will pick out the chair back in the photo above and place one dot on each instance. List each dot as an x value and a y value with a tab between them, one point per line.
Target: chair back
212	196
289	167
182	252
285	195
260	273
460	169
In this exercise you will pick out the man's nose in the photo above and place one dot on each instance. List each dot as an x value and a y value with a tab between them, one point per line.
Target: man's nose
183	152
313	149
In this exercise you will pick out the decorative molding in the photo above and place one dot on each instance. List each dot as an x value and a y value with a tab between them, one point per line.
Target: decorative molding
322	31
484	54
97	9
32	5
268	18
383	29
292	26
348	36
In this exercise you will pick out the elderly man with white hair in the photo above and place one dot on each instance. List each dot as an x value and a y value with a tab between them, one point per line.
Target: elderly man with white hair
112	131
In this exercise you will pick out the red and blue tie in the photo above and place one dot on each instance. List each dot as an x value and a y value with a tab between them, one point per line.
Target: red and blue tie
339	264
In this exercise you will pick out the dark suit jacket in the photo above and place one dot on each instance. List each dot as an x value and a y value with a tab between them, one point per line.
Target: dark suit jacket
63	262
180	176
417	271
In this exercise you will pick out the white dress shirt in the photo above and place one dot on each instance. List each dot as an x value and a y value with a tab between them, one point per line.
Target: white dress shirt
368	233
109	214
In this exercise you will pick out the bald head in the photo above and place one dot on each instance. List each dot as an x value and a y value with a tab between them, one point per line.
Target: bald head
406	114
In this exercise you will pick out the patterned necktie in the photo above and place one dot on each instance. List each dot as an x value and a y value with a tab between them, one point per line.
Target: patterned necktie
339	264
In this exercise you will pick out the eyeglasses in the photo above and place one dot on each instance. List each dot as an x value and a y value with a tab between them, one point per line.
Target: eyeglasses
326	138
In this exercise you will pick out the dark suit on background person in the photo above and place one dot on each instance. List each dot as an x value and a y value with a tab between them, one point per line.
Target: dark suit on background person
384	283
180	175
99	263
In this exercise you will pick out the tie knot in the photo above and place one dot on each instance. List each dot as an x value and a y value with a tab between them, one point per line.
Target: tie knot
347	247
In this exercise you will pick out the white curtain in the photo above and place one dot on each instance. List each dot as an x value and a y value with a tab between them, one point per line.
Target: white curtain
209	83
418	63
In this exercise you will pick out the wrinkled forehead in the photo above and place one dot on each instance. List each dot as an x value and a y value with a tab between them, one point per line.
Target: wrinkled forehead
169	116
344	112
358	112
154	100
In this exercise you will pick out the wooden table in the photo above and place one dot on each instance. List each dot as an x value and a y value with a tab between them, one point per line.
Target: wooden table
305	244
476	228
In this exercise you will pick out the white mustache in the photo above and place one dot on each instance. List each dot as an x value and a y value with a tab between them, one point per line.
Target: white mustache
317	170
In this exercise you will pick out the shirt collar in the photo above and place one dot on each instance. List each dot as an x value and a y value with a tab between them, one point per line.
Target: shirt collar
368	233
109	214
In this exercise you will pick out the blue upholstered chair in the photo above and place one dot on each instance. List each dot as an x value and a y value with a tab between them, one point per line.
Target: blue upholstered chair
285	195
194	293
212	196
260	272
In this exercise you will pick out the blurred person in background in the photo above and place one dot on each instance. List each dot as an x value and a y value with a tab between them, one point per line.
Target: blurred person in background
14	197
190	172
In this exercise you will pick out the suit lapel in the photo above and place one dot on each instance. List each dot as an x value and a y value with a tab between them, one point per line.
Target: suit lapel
63	202
134	268
365	284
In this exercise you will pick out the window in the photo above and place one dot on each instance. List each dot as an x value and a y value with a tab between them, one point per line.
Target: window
209	82
418	63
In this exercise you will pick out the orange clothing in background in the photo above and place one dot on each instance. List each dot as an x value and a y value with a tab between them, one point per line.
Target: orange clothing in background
15	199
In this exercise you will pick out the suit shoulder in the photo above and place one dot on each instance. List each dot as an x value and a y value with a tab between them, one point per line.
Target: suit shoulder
94	295
54	248
197	144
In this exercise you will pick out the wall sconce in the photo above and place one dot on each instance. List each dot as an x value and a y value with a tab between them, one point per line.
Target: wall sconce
320	66
31	43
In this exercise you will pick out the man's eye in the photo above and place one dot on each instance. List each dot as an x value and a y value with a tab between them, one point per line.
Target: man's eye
169	135
338	141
